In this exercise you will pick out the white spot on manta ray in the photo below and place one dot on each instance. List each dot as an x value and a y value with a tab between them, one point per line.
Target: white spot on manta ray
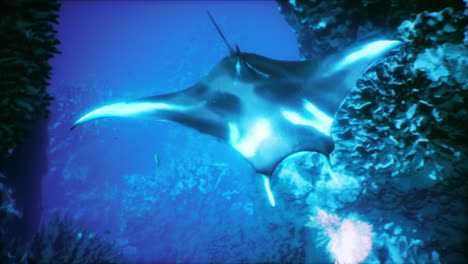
248	144
238	67
318	119
233	133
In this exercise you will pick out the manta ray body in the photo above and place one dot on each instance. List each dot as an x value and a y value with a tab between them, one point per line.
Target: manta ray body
266	109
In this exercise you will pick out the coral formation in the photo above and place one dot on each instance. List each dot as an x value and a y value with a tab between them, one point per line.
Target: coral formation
63	240
401	134
28	42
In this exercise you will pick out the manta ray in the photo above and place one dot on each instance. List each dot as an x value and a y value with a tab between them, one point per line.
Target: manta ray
266	109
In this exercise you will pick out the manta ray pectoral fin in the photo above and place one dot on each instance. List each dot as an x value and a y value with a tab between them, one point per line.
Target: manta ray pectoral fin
359	58
128	109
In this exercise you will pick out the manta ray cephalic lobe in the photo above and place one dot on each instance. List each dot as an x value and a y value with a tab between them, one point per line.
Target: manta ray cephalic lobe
264	108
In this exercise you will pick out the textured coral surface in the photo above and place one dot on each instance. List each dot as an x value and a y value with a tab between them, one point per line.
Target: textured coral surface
401	135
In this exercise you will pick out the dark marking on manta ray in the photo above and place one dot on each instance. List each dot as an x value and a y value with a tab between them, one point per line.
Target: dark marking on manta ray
266	109
198	91
225	102
202	125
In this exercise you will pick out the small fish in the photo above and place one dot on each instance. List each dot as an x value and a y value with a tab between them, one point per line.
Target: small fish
156	159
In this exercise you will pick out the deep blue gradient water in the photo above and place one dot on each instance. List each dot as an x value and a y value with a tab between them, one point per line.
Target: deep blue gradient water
162	191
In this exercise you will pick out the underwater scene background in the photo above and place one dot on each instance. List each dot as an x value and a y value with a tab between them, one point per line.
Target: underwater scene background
138	191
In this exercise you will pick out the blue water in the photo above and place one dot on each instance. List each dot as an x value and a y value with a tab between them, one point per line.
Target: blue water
161	191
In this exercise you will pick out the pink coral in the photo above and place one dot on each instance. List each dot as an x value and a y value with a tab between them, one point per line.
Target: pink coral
349	240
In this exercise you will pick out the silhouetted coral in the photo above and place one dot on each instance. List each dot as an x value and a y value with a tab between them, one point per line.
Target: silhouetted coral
28	42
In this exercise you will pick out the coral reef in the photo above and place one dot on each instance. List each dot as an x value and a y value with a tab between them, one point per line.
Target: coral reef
28	42
406	123
63	240
401	136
